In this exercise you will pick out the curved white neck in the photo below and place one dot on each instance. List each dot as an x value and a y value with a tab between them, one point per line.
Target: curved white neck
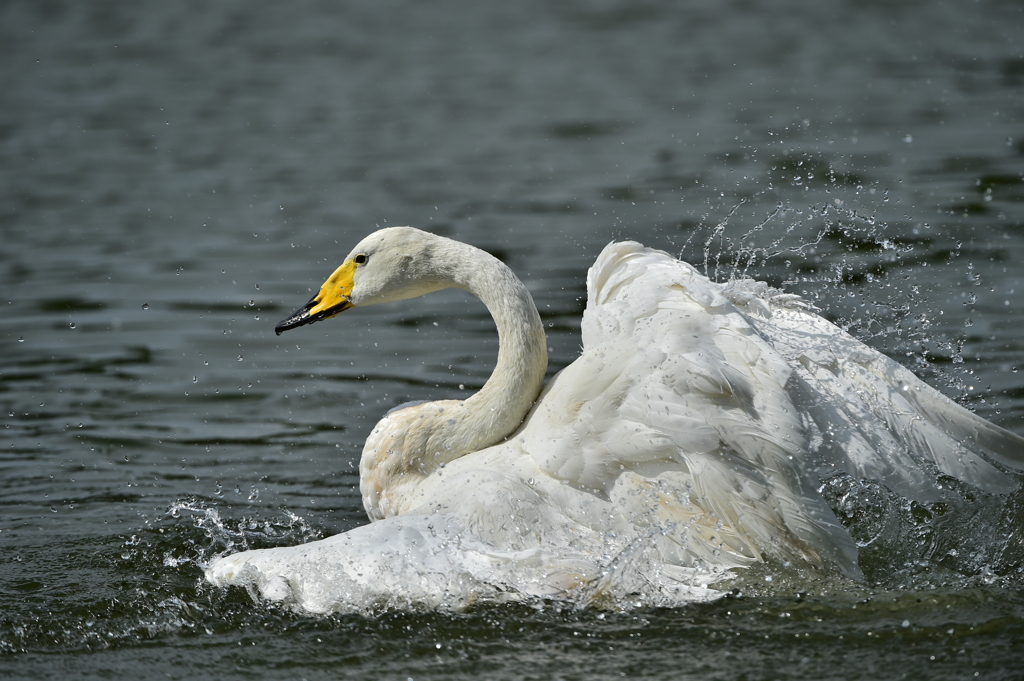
410	444
506	397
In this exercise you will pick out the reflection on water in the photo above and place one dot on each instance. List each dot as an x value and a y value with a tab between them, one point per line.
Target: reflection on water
175	179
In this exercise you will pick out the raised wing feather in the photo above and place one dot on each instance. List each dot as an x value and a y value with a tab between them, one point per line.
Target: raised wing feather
878	420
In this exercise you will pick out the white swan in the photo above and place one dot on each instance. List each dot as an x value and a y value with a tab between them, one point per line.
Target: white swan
689	438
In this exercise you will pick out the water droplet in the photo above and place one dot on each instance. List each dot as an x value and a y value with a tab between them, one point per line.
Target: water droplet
195	379
21	339
257	287
71	325
908	139
145	306
251	303
239	358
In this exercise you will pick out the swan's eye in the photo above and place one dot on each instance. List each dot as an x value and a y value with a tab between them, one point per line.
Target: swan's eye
361	259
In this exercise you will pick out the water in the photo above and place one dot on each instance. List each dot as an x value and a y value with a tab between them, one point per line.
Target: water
178	178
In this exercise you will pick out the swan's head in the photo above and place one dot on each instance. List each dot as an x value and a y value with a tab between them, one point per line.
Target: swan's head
395	263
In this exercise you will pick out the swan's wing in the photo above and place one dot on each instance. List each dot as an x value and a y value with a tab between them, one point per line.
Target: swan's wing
740	398
870	415
675	387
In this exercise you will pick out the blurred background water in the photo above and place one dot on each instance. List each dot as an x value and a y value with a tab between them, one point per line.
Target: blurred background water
177	177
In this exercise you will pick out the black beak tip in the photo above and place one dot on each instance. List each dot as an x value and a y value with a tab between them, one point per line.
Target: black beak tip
297	318
301	317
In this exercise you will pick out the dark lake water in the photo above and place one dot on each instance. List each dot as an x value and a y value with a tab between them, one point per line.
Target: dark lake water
177	177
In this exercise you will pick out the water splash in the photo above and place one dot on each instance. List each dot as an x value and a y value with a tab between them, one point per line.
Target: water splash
859	272
967	538
229	536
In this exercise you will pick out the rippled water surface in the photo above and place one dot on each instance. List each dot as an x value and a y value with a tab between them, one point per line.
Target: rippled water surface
177	177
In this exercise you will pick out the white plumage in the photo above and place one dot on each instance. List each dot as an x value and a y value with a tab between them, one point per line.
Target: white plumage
688	439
